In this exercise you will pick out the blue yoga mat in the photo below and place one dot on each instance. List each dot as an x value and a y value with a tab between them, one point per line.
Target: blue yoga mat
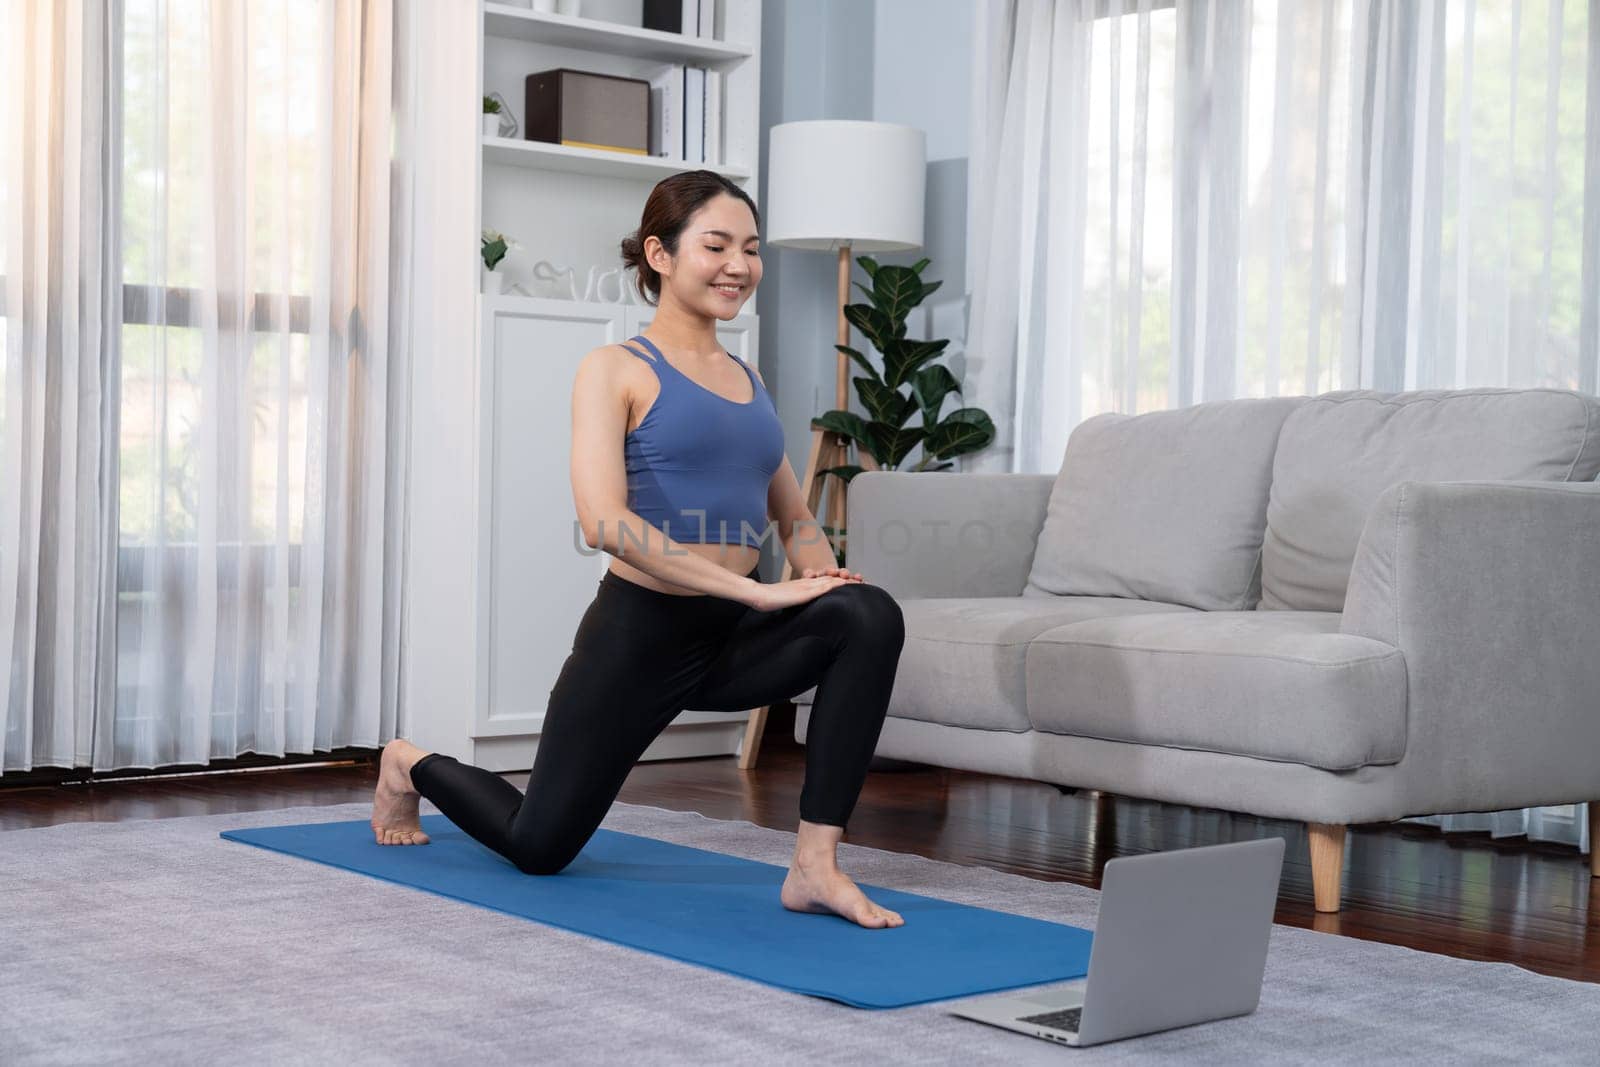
715	911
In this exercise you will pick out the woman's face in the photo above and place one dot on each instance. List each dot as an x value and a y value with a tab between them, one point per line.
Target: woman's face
718	264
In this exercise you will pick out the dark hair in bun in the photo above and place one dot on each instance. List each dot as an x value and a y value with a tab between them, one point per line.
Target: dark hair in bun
671	204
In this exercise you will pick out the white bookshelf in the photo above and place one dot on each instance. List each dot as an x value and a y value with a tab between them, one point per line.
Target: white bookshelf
597	35
539	155
571	207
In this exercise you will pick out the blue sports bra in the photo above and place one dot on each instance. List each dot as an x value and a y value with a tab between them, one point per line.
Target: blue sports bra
699	464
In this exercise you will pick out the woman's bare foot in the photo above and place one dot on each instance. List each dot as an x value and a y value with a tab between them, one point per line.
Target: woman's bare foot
825	888
394	805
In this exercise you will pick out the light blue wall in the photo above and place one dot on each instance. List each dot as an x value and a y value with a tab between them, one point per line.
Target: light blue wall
922	76
905	61
816	63
922	69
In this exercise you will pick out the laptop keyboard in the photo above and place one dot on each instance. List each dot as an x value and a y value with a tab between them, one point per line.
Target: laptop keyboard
1059	1020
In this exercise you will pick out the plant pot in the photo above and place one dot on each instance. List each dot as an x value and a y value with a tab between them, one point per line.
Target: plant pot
491	125
494	283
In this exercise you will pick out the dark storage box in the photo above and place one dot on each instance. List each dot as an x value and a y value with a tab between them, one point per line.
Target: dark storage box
663	15
585	110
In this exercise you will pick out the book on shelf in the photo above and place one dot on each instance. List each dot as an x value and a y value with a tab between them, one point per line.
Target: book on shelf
686	114
666	111
694	124
714	117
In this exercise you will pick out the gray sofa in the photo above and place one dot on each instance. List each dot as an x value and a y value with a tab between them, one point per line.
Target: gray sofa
1338	609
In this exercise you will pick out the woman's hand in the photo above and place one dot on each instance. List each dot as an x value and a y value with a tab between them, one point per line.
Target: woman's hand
778	595
813	572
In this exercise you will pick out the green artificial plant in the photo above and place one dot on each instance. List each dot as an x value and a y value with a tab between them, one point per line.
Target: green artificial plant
884	433
493	247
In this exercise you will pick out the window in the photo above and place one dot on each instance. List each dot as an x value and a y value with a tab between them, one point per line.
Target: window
218	242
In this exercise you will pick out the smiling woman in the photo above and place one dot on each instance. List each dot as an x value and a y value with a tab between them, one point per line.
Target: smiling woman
696	256
667	214
672	436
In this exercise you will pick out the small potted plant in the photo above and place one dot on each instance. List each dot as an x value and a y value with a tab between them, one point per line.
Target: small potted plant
491	117
493	246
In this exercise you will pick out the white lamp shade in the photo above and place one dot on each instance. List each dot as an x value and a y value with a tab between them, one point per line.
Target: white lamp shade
836	182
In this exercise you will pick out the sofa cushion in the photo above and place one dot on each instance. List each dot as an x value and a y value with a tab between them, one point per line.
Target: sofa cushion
963	656
1273	685
1168	506
1338	452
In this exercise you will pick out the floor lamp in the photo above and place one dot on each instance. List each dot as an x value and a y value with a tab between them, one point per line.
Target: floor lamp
850	188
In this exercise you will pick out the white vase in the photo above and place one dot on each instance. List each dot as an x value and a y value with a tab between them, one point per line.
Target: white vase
494	283
546	6
491	125
568	7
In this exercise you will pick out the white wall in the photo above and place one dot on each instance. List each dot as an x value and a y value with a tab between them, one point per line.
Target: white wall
438	650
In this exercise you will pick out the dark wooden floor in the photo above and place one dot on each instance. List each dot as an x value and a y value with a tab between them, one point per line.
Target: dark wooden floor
1531	905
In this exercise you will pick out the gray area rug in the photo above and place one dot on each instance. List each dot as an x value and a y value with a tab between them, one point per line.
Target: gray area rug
157	940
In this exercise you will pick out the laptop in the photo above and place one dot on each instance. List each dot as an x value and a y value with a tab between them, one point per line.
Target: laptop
1181	939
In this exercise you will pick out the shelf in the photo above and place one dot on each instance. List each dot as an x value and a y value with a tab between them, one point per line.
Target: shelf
569	31
541	155
549	305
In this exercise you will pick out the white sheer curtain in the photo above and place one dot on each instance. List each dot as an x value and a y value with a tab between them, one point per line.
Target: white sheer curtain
1156	210
1178	202
244	593
60	312
1480	196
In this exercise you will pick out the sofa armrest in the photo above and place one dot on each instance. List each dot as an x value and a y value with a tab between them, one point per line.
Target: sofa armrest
1492	592
936	534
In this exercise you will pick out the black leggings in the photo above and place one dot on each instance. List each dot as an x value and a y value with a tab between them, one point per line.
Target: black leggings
639	658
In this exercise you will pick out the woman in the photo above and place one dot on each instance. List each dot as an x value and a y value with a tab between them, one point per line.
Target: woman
677	462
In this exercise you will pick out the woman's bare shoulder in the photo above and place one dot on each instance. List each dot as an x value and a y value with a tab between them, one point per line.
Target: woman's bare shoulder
613	362
620	374
615	354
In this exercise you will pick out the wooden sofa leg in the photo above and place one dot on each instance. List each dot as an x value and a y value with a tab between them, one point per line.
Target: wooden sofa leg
750	747
1594	839
1327	863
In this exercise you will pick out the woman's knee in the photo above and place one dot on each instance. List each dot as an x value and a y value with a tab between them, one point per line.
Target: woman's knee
867	610
542	857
